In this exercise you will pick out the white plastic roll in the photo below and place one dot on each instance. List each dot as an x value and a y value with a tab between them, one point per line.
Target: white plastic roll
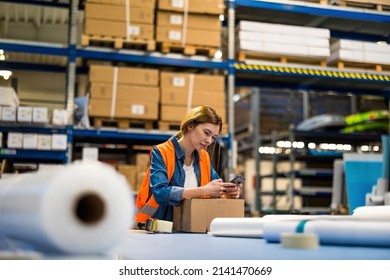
237	227
378	212
337	232
82	208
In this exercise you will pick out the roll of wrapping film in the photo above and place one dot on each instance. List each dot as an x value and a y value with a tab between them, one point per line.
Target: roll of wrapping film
378	212
337	232
253	227
82	208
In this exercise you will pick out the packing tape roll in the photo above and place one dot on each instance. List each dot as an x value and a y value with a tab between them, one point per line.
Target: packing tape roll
299	240
164	226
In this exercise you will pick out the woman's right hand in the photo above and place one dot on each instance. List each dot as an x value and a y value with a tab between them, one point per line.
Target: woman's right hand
217	187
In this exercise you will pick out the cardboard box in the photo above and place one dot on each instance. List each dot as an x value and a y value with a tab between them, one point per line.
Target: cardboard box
195	215
133	3
104	91
119	29
194	6
59	142
175	113
40	115
30	141
25	114
118	13
142	161
126	75
180	97
8	114
15	140
130	172
60	117
201	82
194	21
44	142
196	37
124	109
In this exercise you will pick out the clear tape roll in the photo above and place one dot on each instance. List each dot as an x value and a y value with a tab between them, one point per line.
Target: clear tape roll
81	208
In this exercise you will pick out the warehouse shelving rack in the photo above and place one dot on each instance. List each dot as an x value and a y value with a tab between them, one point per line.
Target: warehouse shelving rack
343	22
72	52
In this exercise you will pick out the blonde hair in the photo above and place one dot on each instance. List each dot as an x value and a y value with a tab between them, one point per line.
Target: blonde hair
199	115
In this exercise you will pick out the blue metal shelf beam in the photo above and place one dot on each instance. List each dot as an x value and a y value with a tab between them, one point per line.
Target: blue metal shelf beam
33	155
116	55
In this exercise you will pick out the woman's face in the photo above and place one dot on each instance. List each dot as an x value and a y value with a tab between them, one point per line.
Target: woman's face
202	135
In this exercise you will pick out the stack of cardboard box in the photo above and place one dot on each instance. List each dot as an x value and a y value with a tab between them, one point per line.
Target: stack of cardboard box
124	92
135	173
194	23
128	20
182	91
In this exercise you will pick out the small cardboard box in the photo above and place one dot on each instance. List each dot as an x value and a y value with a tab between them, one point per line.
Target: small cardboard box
195	215
194	6
194	21
133	3
118	13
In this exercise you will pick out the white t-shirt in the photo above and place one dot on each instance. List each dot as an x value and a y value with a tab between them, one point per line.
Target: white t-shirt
191	181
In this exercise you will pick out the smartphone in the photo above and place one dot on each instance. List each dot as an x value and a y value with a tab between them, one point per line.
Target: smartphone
238	179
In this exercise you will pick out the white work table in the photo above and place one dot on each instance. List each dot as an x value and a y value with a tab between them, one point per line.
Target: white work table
140	245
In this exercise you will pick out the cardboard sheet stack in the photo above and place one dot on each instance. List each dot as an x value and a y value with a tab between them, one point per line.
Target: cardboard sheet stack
127	19
194	22
124	92
183	91
268	40
359	52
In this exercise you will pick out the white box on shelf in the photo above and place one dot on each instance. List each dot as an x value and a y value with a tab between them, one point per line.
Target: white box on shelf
40	115
59	142
60	117
15	140
30	141
8	114
44	142
24	114
8	97
90	153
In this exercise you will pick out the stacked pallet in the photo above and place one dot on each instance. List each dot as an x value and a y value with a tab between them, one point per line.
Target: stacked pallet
282	43
120	22
182	91
124	96
189	27
360	54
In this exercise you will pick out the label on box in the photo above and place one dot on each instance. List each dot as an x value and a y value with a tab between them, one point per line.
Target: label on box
178	81
174	35
138	109
133	30
177	3
175	19
59	142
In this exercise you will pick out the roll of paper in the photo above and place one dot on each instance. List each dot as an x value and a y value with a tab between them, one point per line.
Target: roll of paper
378	212
336	232
81	208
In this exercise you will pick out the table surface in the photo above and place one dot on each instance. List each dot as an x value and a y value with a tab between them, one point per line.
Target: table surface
140	245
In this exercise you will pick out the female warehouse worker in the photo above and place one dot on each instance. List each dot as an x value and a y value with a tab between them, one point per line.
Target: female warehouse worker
180	168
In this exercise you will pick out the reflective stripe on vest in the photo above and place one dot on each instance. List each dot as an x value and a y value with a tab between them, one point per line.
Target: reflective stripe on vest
145	201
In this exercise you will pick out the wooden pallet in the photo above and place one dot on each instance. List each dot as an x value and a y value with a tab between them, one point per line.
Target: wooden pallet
187	49
118	42
360	66
244	55
379	5
122	123
166	125
322	2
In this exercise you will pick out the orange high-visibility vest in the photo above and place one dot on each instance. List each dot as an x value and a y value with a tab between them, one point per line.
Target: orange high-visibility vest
145	201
